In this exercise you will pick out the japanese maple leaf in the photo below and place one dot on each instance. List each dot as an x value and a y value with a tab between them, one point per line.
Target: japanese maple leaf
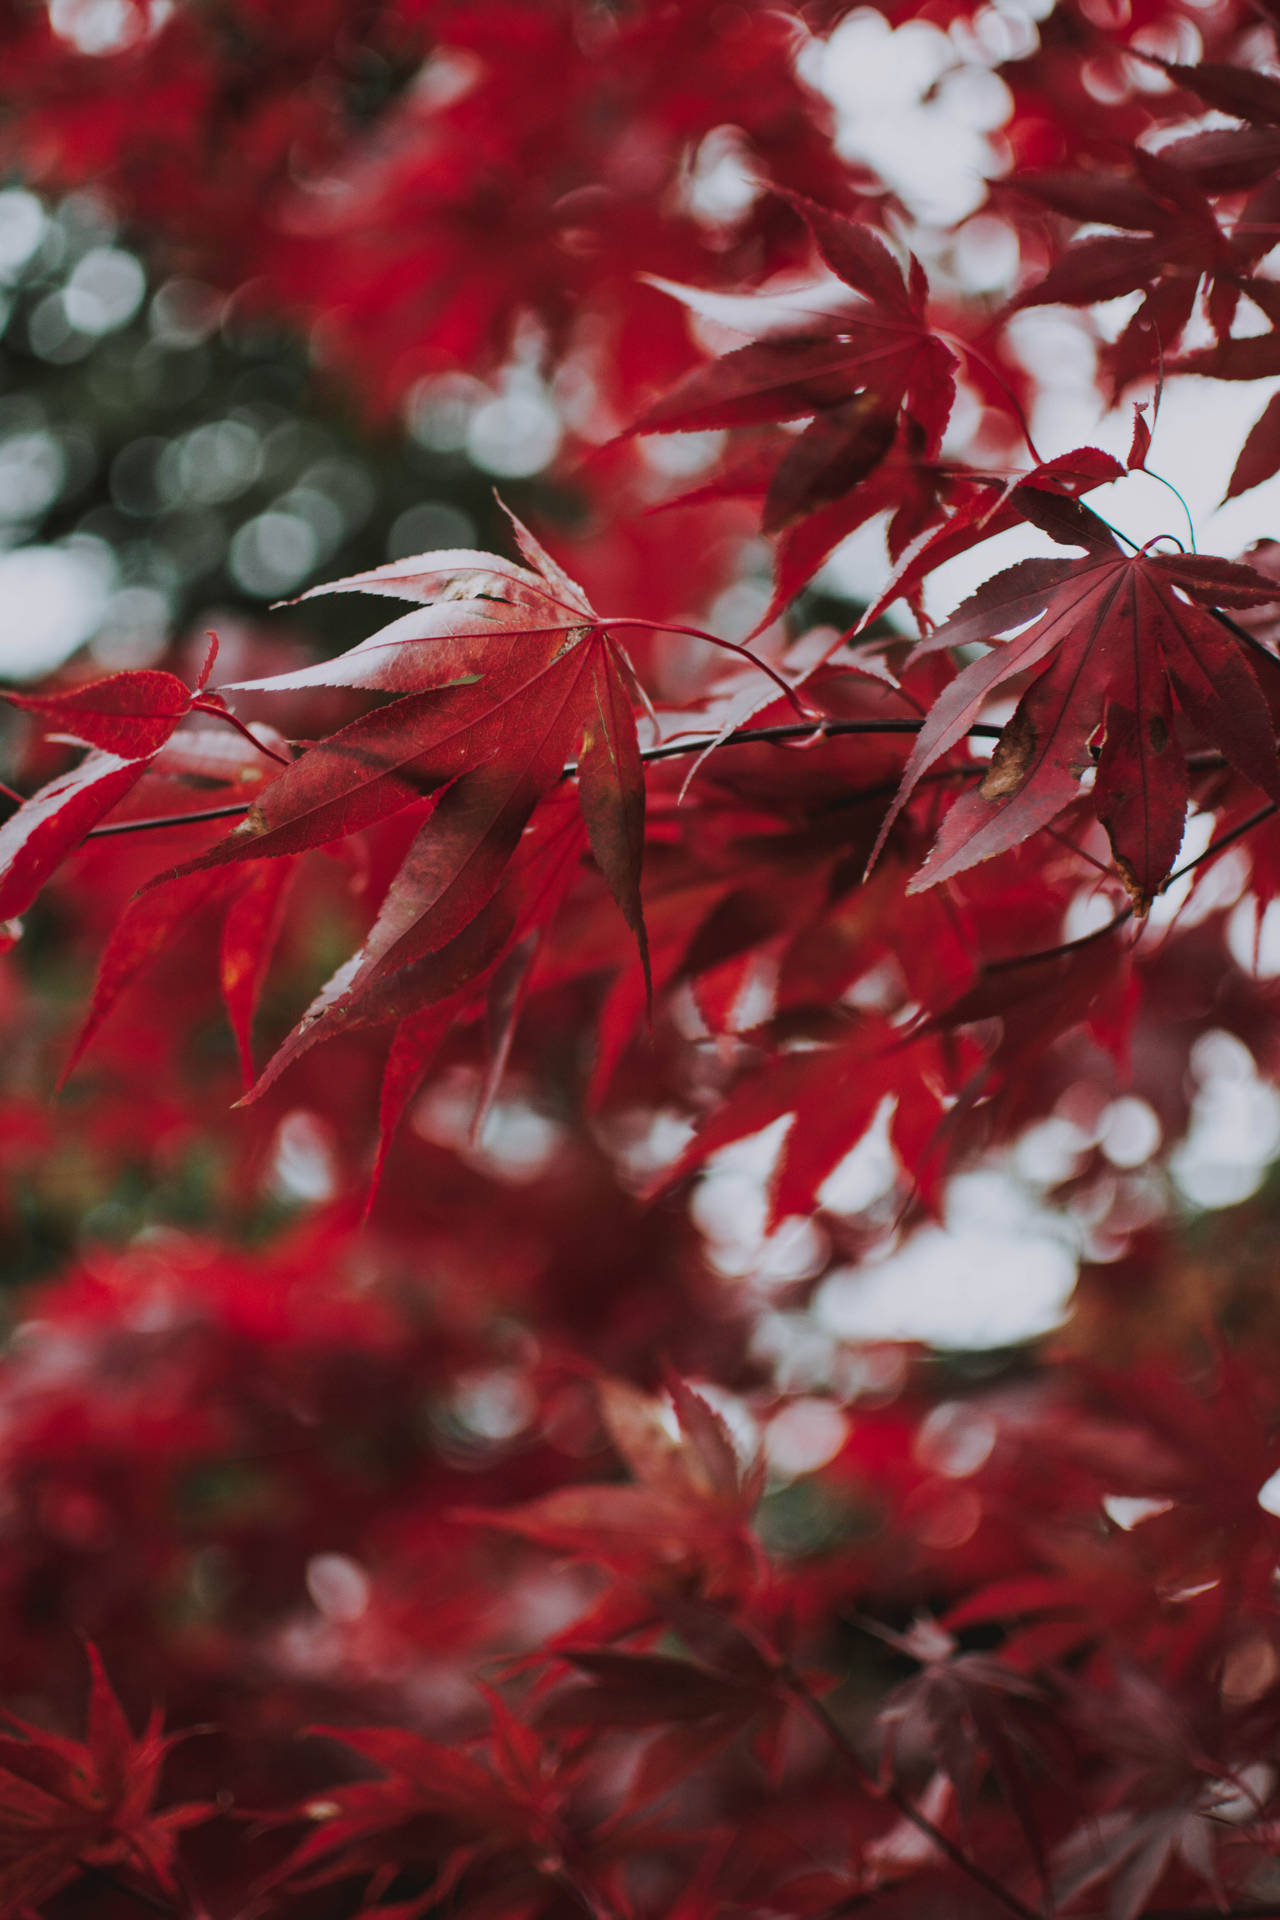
70	1804
852	367
1133	1853
1173	242
125	721
454	982
1117	641
508	1813
647	1690
699	1708
972	1712
1207	1449
813	521
504	676
1222	159
427	1802
832	1094
685	1515
981	505
251	906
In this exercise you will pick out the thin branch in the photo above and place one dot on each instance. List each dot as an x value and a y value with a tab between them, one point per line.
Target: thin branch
669	750
790	730
1220	845
1063	948
169	820
1224	840
776	735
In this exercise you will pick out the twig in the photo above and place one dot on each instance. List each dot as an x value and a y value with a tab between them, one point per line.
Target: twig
1217	846
1064	947
779	735
168	820
1224	840
669	750
790	730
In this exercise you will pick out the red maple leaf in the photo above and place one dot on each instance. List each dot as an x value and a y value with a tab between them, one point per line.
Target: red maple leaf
684	1518
504	676
429	1802
972	1712
833	1093
869	371
1127	638
125	721
79	1804
1224	158
507	679
882	346
251	905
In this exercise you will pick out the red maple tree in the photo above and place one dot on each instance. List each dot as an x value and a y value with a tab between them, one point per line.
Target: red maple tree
517	1061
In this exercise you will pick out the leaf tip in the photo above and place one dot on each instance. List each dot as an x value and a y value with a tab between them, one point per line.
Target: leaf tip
211	655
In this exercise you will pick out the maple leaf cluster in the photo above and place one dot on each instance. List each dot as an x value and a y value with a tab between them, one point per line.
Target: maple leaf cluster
463	1403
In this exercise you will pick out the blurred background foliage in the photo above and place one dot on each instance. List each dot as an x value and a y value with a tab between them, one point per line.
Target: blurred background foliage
173	461
167	454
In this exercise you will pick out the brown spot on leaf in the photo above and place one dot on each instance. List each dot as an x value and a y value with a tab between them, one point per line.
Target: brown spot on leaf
1157	732
1137	893
1011	761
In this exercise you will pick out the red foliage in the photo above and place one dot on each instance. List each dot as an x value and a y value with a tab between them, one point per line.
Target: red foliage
462	1446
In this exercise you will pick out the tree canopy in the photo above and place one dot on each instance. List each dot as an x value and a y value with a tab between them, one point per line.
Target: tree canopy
639	1189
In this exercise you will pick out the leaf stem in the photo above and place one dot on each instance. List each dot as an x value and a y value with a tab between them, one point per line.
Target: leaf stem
217	712
730	646
1191	525
989	367
779	735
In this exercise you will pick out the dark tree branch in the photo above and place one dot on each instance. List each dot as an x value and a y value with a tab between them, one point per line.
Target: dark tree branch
668	750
